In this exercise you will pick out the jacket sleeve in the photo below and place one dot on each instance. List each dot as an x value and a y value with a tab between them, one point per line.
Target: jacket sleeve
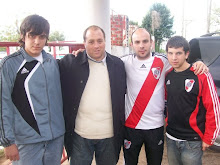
7	107
211	103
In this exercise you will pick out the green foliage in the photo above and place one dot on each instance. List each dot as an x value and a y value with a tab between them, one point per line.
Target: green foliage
9	34
56	36
2	153
164	29
215	19
133	23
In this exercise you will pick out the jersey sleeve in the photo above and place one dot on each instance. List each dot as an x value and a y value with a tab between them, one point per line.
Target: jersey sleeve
211	103
6	107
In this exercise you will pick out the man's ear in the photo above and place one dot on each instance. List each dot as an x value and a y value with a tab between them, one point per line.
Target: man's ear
187	54
22	37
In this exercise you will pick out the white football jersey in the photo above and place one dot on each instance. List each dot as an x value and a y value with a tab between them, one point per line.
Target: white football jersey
144	101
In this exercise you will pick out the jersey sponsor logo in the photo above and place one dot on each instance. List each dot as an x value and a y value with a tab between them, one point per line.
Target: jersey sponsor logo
24	70
156	72
168	82
127	144
189	84
143	66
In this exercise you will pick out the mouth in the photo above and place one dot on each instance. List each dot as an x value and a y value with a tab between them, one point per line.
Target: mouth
36	48
174	63
141	51
96	51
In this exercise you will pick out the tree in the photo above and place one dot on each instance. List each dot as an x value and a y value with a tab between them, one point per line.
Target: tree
9	34
215	19
133	23
159	23
56	36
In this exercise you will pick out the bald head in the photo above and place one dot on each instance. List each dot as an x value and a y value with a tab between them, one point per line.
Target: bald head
141	43
140	31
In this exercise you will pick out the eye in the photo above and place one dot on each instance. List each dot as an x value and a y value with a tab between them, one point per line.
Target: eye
100	41
42	37
91	42
145	41
30	35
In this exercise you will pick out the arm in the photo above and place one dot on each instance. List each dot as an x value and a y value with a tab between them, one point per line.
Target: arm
200	68
6	113
75	53
211	103
11	152
205	146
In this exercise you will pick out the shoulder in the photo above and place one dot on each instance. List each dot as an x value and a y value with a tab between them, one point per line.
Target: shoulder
169	73
10	58
160	55
126	57
67	59
114	59
118	63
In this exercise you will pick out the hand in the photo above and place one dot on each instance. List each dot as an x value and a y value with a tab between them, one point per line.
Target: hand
11	152
204	146
76	52
200	68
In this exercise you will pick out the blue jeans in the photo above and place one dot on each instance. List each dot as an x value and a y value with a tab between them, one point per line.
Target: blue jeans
84	149
184	152
42	153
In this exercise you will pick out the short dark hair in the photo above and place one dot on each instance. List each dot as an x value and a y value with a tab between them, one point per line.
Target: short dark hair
36	25
136	30
177	42
93	27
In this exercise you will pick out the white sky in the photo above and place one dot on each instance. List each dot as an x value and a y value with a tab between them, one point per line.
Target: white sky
68	15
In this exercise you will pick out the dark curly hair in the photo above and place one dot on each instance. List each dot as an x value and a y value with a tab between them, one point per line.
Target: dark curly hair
36	25
178	42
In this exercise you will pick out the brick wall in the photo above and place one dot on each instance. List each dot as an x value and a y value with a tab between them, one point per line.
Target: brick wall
119	30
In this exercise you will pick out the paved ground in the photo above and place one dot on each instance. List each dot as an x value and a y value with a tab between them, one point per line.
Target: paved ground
209	158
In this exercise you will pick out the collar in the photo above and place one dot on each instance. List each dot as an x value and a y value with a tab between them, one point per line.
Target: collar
30	58
102	61
135	57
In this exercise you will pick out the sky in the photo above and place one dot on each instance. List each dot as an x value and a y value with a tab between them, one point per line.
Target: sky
67	15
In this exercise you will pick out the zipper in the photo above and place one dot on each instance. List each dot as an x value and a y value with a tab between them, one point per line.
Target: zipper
48	99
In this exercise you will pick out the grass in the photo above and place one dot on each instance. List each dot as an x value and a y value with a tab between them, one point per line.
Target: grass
1	153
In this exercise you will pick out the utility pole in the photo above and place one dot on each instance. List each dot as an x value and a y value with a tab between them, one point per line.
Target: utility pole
183	17
209	9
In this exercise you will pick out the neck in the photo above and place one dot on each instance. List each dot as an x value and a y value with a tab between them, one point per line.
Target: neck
185	66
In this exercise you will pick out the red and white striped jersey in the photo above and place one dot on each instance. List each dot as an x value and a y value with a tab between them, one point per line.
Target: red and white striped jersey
193	106
144	101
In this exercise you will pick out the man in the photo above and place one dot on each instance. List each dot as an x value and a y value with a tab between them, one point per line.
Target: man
31	123
93	86
144	101
193	107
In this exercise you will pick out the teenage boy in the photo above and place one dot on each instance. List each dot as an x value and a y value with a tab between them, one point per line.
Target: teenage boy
31	109
192	107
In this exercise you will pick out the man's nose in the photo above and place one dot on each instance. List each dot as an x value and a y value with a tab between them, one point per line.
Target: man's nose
141	44
37	40
174	57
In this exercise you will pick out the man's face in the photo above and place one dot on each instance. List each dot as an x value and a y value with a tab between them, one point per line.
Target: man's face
177	58
141	44
95	44
34	44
